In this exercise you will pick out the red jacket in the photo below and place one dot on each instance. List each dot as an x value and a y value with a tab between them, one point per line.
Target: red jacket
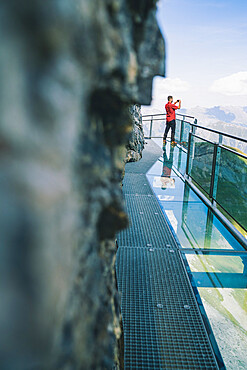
170	111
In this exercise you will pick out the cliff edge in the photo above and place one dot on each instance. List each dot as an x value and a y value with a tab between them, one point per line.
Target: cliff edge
69	71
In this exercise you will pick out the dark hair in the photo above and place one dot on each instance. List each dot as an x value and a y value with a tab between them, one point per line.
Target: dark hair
169	97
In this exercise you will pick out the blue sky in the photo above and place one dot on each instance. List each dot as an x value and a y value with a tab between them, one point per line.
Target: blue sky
206	52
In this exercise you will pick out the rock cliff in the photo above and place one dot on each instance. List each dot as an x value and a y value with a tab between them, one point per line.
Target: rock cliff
135	144
69	71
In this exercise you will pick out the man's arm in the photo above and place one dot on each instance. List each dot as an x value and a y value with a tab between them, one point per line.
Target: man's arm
179	103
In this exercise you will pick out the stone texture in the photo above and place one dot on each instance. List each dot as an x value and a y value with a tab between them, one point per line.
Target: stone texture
69	71
135	145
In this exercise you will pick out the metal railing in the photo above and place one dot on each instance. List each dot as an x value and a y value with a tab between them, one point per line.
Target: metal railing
218	170
164	114
182	121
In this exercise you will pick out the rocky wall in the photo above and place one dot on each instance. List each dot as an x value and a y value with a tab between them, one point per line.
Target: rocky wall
69	71
136	141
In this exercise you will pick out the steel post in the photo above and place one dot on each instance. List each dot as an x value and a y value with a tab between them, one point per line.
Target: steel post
151	128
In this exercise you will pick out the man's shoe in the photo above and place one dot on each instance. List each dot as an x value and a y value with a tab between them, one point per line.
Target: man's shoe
173	143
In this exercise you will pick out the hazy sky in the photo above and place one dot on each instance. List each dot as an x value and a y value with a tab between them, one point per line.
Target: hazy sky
206	52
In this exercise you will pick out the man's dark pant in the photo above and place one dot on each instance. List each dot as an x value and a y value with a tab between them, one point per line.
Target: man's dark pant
170	125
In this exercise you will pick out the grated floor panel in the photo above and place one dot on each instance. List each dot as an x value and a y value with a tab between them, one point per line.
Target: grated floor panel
148	226
163	327
136	184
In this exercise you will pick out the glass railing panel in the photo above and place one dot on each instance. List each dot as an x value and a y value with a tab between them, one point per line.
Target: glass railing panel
146	126
179	159
201	160
185	134
178	130
174	154
159	126
208	135
232	186
182	161
235	143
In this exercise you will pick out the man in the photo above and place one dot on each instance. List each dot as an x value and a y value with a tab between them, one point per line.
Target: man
171	120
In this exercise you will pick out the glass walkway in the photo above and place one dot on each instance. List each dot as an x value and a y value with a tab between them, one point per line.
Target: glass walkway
182	269
215	260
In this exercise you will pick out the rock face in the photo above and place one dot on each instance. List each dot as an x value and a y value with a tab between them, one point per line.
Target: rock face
69	71
135	145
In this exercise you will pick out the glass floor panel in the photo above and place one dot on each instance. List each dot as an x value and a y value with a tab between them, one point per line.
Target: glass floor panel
157	168
167	188
222	282
176	157
197	227
220	277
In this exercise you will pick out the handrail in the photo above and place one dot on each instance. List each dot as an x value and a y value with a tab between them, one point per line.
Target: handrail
164	114
202	138
155	119
219	132
153	115
160	119
242	155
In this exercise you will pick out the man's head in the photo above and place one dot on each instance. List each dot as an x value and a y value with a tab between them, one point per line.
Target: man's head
170	98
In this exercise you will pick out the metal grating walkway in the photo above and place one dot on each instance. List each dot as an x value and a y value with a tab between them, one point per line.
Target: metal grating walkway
163	327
